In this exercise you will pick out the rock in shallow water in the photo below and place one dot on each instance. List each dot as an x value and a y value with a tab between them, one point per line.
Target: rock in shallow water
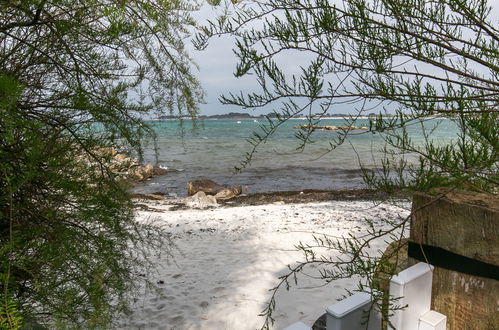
205	185
210	187
158	171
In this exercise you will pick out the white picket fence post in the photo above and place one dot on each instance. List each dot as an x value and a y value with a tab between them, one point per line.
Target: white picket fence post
298	326
432	321
352	313
412	290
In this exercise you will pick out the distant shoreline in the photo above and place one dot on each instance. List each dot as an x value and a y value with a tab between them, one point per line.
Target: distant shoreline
264	118
243	118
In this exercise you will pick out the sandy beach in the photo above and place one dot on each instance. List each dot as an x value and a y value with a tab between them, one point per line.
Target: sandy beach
229	257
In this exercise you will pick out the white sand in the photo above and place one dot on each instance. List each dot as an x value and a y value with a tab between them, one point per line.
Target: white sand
230	257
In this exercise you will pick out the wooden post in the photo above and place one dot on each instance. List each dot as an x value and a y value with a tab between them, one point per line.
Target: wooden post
467	224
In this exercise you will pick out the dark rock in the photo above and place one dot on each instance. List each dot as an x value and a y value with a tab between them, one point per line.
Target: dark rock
210	187
158	171
205	185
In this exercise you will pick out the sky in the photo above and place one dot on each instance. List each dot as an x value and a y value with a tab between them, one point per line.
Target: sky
217	64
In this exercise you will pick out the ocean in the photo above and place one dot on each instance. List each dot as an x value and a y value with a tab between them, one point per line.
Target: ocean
213	148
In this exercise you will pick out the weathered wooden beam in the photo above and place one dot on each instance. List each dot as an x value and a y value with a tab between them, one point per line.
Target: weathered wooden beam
467	224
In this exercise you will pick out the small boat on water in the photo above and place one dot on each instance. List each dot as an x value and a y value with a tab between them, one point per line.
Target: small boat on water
238	122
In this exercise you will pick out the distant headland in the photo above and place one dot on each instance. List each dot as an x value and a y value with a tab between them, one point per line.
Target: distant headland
247	116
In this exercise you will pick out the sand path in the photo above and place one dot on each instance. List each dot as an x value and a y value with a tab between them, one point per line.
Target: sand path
229	257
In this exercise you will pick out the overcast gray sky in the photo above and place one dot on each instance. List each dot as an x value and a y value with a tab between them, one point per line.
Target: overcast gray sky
217	64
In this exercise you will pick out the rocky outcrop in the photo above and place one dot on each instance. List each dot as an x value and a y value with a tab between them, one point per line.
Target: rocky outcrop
121	164
205	185
332	128
210	187
200	201
142	172
130	168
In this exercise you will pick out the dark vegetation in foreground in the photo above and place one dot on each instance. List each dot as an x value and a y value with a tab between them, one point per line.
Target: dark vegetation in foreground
70	249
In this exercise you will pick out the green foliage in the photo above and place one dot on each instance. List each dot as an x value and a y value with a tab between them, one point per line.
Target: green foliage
411	61
76	78
9	315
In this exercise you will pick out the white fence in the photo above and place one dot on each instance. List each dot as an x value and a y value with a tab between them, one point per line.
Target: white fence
411	287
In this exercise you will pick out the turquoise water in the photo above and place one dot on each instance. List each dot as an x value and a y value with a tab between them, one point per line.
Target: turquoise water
216	147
